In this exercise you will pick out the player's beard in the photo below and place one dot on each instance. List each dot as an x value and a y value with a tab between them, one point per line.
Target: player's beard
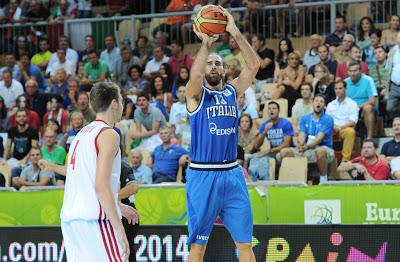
213	80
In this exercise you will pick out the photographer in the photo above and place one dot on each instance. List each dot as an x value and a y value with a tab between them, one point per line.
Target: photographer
367	166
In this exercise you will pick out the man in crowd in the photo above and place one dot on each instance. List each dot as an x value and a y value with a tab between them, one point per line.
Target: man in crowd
311	56
362	90
94	71
61	62
368	166
10	65
53	153
90	46
345	116
167	158
341	53
36	101
235	53
393	64
32	116
303	107
246	108
153	66
336	38
391	150
10	89
123	64
70	54
151	118
315	138
355	55
111	54
179	57
84	107
142	173
22	138
57	112
42	58
323	54
60	85
28	71
33	175
278	131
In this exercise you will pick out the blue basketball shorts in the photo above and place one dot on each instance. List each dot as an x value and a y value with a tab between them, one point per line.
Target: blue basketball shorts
223	193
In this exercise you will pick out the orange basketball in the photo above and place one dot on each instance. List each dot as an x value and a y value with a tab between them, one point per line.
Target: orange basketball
210	20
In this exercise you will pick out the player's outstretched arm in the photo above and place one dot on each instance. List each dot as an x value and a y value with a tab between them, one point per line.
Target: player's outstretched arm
193	87
108	146
246	77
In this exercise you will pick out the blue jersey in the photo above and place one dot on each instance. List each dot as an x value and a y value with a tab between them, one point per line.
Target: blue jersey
214	127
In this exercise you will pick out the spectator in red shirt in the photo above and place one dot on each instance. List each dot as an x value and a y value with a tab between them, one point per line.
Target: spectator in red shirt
355	55
368	166
179	57
57	113
33	117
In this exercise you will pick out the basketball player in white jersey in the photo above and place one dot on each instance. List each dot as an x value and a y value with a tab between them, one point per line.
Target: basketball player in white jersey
91	213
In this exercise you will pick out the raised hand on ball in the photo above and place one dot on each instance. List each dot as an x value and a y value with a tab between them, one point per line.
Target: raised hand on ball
231	26
204	37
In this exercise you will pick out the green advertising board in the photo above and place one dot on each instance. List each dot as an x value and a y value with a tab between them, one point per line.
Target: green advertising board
356	204
155	205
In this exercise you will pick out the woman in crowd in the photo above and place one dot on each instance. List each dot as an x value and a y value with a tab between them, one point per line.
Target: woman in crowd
181	79
389	35
247	133
323	84
135	83
160	96
365	27
166	73
285	48
290	80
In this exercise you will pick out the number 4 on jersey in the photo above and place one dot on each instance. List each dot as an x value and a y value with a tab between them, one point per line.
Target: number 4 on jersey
73	157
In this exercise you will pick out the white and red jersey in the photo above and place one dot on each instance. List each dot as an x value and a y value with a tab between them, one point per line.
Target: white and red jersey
80	198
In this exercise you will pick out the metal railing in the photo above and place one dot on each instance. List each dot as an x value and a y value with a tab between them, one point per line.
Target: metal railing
274	21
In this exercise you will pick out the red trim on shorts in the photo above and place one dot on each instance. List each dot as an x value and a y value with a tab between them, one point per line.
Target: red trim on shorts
95	139
114	241
109	240
102	234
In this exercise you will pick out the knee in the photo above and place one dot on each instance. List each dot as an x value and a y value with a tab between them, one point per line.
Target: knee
285	152
243	247
396	175
368	109
320	153
350	132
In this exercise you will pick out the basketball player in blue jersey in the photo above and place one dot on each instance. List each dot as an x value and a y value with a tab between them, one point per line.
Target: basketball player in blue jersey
215	183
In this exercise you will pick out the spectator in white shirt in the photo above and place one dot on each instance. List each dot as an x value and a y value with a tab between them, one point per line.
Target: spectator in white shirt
10	89
153	66
344	112
62	62
178	114
71	54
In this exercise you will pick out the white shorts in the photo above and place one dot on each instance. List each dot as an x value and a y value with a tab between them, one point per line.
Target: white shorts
90	241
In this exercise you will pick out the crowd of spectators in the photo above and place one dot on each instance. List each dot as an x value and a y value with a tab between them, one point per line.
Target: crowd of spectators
335	91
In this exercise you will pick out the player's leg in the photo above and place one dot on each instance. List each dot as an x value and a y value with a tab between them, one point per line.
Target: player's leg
203	206
90	241
236	213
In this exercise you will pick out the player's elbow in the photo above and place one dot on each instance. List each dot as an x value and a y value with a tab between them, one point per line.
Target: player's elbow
254	65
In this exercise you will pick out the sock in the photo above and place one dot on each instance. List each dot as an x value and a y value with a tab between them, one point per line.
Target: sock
323	178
